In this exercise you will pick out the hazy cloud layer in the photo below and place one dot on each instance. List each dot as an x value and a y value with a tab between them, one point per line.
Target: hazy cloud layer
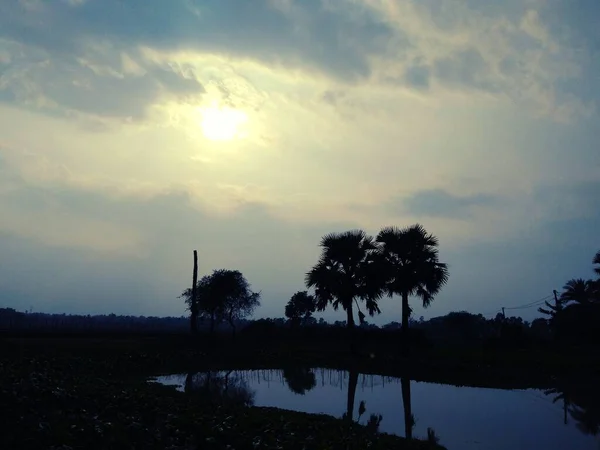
133	132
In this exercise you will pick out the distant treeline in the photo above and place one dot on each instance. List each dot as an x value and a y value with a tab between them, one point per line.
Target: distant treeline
457	327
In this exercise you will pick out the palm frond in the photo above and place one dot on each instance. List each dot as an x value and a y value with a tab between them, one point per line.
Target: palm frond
596	261
578	290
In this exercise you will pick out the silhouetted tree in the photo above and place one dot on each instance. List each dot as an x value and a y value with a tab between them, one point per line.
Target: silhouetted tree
347	271
409	258
580	291
596	262
239	301
300	307
300	380
224	295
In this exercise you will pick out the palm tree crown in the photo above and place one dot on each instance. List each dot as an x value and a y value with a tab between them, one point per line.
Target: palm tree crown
346	271
410	257
579	290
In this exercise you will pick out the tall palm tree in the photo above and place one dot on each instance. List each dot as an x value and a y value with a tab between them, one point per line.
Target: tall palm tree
347	271
409	257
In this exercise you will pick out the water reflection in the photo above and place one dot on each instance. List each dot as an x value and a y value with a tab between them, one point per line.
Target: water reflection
300	380
466	418
216	388
581	402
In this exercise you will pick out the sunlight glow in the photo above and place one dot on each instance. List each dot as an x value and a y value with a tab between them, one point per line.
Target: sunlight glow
222	124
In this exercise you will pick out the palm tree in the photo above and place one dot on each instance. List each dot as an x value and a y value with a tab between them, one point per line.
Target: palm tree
578	290
410	261
347	271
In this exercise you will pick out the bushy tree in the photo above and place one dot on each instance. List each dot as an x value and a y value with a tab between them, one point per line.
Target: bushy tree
224	295
300	308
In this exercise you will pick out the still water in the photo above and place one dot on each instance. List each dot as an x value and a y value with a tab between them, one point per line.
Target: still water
462	417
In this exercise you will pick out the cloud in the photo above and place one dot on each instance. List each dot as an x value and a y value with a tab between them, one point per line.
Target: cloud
101	82
440	203
275	32
96	49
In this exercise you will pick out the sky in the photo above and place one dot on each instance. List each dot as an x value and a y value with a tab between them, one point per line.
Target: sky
132	133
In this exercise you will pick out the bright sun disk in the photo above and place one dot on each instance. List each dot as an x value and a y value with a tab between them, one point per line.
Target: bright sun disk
221	124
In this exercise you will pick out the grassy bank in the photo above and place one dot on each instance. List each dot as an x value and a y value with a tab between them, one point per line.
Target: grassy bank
92	394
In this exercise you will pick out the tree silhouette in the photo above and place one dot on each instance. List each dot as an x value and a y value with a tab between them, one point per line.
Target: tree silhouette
300	307
347	271
223	295
580	291
409	257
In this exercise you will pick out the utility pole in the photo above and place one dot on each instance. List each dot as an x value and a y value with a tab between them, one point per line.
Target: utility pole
555	297
194	305
503	315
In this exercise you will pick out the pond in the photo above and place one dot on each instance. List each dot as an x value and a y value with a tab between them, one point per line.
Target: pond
461	417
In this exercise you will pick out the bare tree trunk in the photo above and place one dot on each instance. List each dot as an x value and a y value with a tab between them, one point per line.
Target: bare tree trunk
406	402
194	305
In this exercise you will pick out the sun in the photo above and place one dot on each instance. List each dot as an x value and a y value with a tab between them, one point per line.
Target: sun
222	124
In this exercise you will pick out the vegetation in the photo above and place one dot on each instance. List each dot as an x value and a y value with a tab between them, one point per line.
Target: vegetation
576	312
300	308
223	295
410	262
347	272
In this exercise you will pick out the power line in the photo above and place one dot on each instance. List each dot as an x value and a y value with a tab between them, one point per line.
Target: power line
531	304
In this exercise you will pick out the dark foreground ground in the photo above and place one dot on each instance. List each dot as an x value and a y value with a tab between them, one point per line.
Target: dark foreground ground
91	394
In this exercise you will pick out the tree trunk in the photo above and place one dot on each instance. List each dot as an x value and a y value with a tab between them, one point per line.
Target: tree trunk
408	419
350	329
405	317
194	305
352	383
350	316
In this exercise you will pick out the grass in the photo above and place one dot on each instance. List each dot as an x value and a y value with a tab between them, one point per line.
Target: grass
93	395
